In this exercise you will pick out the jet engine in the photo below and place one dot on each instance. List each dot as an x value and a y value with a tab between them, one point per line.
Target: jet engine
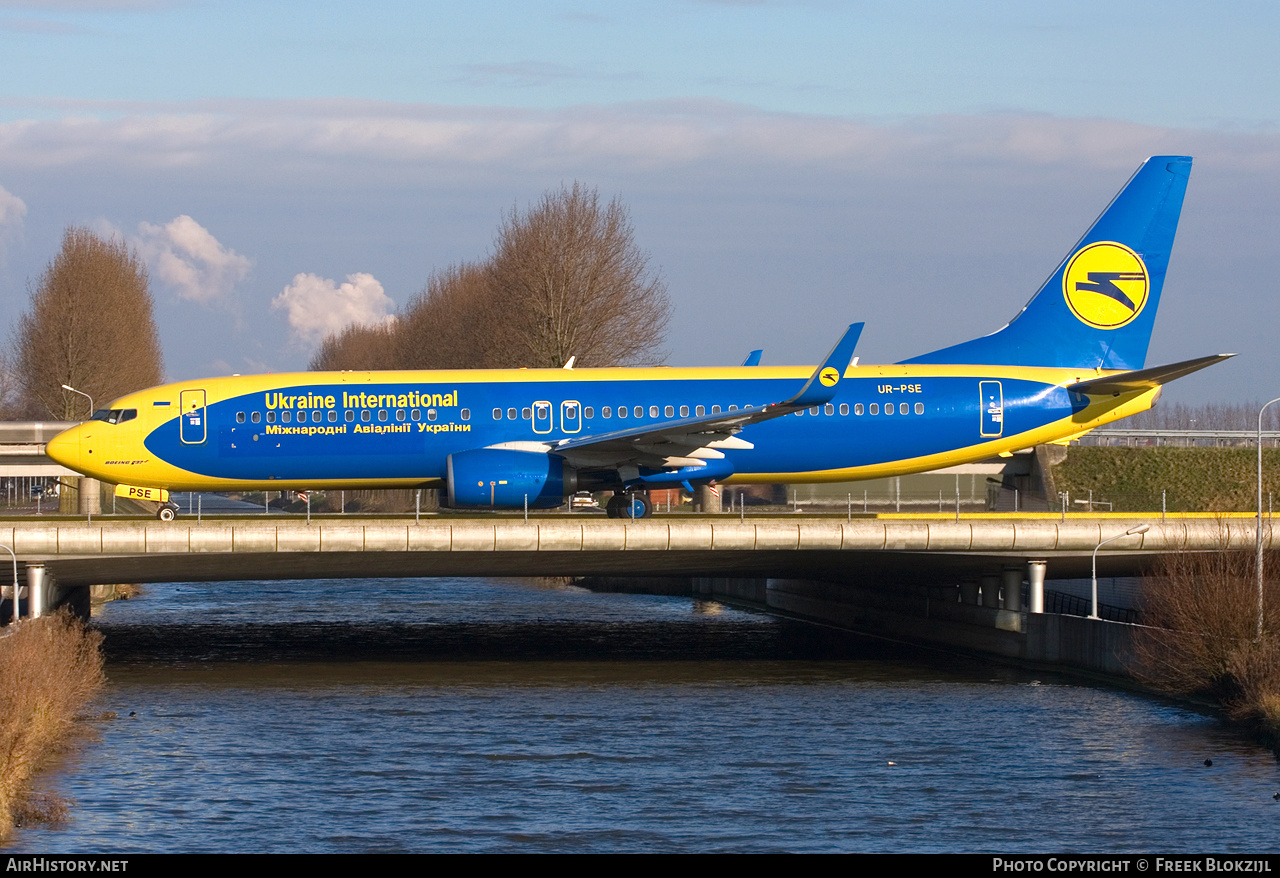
501	477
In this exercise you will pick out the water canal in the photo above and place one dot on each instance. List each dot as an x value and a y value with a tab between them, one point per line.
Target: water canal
500	715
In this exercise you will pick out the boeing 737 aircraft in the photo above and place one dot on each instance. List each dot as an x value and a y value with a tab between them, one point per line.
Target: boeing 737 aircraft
1073	359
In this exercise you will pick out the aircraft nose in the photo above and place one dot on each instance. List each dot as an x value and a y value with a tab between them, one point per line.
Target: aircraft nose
65	448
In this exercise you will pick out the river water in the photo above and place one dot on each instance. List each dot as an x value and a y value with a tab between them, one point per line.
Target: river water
504	715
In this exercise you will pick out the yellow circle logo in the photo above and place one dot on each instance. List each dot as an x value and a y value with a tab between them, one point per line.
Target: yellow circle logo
1106	285
829	376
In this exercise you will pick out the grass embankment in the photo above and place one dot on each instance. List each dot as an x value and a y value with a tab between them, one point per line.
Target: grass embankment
1191	479
1204	641
51	669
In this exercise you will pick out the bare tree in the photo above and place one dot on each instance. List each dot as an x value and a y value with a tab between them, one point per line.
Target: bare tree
357	348
568	280
90	325
446	325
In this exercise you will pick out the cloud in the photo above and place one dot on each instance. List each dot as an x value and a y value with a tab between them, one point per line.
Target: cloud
280	140
183	255
317	306
12	211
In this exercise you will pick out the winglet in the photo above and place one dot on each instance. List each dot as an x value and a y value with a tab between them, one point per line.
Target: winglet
821	386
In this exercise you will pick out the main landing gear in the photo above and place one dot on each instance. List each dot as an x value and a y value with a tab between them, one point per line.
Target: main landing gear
629	506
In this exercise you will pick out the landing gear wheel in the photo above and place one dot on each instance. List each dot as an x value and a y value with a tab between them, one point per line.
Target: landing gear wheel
632	506
613	509
167	512
637	506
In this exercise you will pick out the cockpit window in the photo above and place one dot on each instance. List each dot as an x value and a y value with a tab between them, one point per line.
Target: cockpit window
115	416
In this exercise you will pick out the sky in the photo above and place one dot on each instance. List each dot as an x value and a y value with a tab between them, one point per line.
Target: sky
789	167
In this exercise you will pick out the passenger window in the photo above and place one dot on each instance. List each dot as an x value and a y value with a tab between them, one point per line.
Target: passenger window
814	411
653	411
606	412
415	414
239	417
315	416
669	411
844	408
903	408
399	414
800	413
638	411
622	411
255	417
830	409
919	408
431	414
733	408
366	415
271	417
511	414
700	410
286	417
875	408
684	411
382	414
527	413
333	416
888	408
349	415
715	410
465	414
588	412
857	408
497	414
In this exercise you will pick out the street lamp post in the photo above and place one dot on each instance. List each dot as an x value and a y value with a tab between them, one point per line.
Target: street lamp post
15	581
1136	529
1258	536
82	393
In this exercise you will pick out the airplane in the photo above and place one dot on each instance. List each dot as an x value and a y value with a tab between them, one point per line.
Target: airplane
1073	359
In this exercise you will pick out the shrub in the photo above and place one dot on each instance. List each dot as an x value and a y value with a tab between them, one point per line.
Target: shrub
52	670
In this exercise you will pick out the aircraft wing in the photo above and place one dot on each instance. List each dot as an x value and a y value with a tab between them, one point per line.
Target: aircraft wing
1145	379
692	441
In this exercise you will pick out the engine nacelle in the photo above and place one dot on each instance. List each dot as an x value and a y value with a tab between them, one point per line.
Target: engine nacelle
503	478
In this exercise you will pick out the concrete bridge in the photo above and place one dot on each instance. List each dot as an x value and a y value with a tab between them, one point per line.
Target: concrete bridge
952	581
883	551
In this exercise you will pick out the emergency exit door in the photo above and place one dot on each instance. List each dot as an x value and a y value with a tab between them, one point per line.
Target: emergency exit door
992	398
192	420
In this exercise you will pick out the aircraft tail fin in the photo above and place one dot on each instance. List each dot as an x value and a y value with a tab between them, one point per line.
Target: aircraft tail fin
1097	309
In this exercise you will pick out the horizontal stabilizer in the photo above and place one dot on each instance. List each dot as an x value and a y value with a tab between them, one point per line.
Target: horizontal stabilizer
1145	379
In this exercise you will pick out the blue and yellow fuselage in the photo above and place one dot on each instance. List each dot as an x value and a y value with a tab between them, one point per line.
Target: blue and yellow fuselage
397	429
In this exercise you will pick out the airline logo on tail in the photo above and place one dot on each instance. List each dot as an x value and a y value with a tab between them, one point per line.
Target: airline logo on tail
1106	285
829	377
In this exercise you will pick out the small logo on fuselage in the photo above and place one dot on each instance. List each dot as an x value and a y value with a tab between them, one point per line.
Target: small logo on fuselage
1106	285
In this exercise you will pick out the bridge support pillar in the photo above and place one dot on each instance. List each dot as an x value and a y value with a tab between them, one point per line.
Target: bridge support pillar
90	494
704	500
1035	579
991	591
969	592
1011	582
35	590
